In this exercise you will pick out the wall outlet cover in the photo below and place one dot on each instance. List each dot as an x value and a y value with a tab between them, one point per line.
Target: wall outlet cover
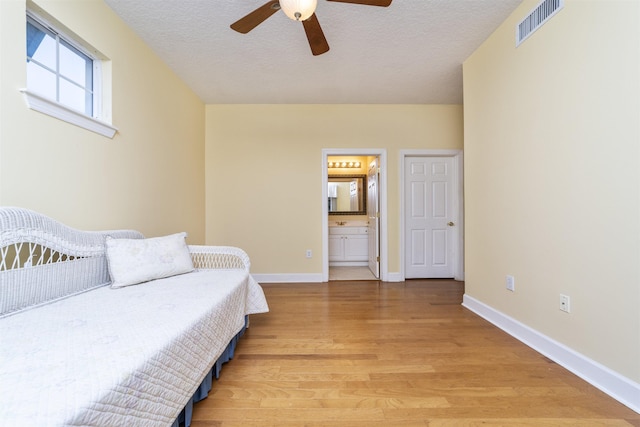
510	282
565	303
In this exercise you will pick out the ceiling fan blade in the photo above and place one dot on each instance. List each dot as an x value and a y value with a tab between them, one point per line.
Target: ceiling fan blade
317	41
382	3
255	18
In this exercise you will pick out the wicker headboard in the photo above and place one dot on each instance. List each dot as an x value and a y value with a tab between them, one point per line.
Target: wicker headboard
42	260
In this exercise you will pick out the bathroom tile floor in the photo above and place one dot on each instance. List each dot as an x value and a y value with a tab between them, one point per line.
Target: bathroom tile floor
350	273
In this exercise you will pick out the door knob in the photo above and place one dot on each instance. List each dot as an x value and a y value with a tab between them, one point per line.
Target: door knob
450	224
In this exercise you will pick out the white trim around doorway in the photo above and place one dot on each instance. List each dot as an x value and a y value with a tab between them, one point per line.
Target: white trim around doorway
384	250
457	156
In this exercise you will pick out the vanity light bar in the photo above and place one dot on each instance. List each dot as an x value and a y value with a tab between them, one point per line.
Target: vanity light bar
344	164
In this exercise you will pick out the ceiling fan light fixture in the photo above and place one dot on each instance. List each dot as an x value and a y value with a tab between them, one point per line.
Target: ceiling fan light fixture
299	10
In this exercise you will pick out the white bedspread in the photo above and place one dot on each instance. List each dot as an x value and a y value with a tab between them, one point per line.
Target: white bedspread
120	357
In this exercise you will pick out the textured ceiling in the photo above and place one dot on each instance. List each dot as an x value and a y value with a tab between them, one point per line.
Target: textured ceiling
409	53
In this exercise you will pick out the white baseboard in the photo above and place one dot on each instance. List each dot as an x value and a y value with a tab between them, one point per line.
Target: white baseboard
615	385
307	277
395	277
348	264
288	278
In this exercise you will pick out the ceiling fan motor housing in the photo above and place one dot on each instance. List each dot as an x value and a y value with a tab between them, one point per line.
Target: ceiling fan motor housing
299	10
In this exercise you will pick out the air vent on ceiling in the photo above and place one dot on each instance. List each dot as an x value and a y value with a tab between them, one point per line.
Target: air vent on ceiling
538	16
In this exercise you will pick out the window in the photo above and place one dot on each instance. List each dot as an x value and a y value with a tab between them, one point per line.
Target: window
57	69
63	77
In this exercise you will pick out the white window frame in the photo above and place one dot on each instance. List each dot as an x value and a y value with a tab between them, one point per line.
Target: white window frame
51	107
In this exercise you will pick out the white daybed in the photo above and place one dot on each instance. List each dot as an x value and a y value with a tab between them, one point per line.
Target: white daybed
74	351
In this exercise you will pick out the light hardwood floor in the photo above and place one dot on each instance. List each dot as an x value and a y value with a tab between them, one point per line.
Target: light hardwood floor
372	354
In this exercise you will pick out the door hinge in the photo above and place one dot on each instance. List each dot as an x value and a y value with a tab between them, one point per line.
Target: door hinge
377	259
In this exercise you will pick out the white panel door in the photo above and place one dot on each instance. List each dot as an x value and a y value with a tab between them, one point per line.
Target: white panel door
373	215
429	217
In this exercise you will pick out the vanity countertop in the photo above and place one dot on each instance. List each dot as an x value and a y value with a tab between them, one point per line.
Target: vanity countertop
346	223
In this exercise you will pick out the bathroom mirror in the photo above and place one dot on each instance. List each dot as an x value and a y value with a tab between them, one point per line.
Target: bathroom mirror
346	195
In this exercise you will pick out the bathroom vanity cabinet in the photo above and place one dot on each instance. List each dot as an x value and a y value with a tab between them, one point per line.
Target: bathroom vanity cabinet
348	246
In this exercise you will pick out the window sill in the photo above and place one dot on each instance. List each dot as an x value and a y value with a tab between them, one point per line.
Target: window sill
59	111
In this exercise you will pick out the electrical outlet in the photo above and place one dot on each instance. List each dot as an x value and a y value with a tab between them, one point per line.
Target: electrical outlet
565	303
309	253
510	283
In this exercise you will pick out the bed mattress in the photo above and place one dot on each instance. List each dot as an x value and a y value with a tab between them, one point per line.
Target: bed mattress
120	357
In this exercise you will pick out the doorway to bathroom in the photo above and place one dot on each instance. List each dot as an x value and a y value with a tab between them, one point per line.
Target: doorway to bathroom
354	214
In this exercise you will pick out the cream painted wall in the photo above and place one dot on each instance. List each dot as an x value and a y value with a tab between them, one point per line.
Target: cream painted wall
149	177
252	151
552	177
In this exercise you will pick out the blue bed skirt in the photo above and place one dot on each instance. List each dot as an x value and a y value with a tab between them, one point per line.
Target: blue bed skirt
184	419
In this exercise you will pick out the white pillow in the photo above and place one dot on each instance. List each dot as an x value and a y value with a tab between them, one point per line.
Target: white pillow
133	261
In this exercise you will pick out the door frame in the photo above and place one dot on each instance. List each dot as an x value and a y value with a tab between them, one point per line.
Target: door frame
458	205
382	195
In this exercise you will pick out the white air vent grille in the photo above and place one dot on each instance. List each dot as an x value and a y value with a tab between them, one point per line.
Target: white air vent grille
538	16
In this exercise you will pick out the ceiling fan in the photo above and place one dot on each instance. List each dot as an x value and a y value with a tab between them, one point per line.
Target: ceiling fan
298	10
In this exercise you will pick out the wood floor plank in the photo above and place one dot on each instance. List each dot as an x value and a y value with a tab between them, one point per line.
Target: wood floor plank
407	354
530	422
